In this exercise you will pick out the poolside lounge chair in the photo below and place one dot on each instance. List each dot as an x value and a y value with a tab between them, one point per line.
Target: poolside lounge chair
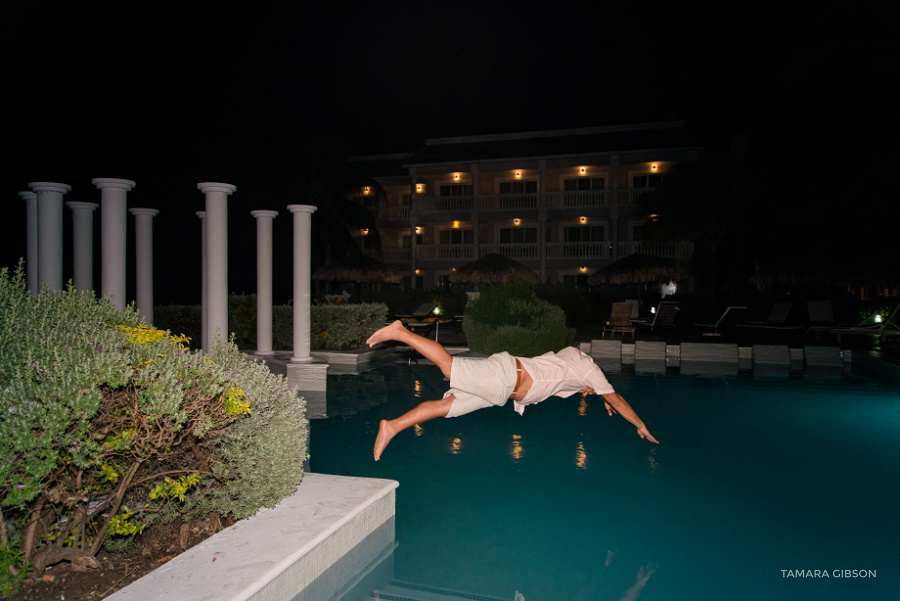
777	320
872	326
424	310
729	320
664	318
821	317
619	319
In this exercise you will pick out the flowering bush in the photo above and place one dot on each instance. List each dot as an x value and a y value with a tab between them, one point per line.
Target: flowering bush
107	426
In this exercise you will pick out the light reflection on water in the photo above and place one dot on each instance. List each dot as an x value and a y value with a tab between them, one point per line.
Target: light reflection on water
581	458
455	446
516	450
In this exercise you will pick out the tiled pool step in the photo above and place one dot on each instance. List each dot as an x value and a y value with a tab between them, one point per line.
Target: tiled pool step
278	552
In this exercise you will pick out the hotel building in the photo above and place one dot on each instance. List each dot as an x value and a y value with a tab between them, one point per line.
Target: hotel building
563	203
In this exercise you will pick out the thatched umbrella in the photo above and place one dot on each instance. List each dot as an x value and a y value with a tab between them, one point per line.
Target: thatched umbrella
494	269
359	269
640	269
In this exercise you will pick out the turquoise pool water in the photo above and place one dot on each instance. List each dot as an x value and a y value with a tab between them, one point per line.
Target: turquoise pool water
758	490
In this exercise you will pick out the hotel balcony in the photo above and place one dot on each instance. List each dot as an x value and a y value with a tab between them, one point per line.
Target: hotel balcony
524	252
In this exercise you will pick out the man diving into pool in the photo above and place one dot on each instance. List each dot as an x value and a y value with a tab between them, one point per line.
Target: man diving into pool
479	383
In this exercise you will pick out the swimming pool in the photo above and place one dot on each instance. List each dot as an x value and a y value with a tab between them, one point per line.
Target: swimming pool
759	489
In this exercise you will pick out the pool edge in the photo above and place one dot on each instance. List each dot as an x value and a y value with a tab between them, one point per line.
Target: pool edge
276	553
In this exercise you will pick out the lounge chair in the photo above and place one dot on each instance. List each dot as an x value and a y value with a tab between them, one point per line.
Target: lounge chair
424	310
777	320
619	319
664	318
872	326
821	317
729	320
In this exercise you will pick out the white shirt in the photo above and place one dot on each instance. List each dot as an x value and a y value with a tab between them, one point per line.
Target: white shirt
561	374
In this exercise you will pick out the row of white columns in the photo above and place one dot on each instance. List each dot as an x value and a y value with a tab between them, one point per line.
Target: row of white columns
44	254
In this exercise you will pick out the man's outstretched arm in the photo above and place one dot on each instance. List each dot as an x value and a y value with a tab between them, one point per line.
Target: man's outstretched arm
616	404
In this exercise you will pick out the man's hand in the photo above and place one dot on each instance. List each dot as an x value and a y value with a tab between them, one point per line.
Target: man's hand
644	433
609	408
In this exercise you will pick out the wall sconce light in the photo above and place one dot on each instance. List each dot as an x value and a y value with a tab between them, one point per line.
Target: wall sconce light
419	229
453	269
582	269
456	177
582	170
418	271
367	190
582	220
654	167
518	175
420	188
517	221
365	231
456	225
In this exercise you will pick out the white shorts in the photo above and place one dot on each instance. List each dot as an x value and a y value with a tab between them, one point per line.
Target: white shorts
479	383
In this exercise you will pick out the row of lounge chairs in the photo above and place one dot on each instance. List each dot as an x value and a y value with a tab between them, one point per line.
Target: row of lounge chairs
734	318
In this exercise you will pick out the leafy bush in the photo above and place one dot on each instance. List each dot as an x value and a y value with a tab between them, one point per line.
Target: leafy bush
511	318
108	426
344	326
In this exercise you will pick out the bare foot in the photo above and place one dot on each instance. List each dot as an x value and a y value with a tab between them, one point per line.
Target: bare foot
385	434
388	332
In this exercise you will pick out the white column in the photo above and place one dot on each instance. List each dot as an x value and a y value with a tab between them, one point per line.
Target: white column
204	287
302	275
83	244
31	228
50	232
113	224
264	280
143	239
217	256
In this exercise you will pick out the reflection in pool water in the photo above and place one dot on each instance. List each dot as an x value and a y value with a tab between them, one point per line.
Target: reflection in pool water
565	503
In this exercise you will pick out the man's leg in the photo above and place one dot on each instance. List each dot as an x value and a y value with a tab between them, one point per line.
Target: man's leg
420	413
430	349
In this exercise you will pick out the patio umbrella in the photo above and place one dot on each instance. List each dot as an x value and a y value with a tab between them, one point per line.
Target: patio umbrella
359	269
640	269
494	269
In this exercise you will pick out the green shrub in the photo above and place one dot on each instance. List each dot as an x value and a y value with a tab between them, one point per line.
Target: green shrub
344	326
511	318
109	426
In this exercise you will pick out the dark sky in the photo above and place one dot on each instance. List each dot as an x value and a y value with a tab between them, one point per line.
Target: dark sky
171	94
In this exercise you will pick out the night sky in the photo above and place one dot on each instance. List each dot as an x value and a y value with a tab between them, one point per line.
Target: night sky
171	94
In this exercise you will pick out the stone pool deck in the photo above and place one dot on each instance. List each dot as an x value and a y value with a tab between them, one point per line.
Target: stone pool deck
279	552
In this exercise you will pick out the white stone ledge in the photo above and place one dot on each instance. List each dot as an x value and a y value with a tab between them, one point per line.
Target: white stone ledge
278	552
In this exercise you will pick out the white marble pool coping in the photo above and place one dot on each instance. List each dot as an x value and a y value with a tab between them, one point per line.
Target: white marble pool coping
276	553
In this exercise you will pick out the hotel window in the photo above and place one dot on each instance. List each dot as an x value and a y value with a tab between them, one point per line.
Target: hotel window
646	180
519	187
582	184
584	233
456	189
407	240
456	236
579	280
518	235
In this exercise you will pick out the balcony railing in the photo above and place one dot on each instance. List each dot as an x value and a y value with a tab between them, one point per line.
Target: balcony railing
503	202
389	213
445	252
579	250
445	204
681	249
577	200
511	251
632	196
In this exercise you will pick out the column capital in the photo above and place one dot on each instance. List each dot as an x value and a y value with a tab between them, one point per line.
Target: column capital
150	212
301	208
271	214
216	187
82	205
111	182
27	195
49	187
